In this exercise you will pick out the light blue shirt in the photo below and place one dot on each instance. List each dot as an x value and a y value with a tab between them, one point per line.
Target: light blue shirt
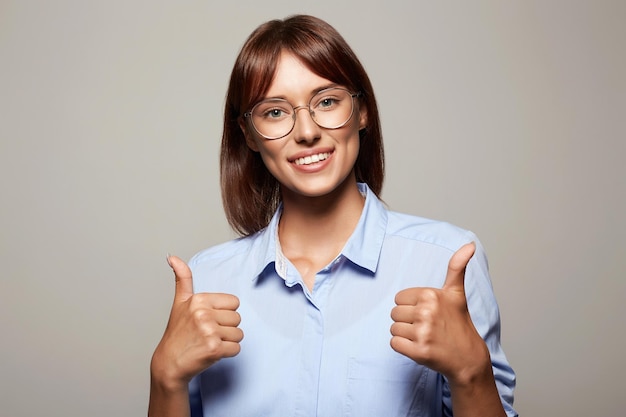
326	352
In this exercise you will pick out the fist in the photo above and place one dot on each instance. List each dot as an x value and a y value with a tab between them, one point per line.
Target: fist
434	328
202	329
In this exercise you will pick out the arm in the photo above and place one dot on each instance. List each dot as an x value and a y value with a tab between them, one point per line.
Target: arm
167	400
477	395
202	329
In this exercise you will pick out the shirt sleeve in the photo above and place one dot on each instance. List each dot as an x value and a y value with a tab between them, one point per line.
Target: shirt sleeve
485	315
195	399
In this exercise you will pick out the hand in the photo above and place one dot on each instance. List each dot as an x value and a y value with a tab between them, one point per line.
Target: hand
434	328
202	329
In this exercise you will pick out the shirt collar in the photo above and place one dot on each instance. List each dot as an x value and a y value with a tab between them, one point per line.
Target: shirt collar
267	243
362	248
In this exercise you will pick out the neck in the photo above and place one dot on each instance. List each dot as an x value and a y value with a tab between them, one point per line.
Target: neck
314	230
316	219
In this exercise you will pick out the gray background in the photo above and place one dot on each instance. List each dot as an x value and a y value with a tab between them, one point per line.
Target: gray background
504	117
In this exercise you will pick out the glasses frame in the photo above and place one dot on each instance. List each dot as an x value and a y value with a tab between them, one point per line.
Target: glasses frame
248	114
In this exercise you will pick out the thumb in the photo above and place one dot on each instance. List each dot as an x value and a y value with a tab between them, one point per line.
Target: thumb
455	278
182	273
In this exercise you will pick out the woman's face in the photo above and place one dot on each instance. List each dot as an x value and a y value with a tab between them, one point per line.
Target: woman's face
310	161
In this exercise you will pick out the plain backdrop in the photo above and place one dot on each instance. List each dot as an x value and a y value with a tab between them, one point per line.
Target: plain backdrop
503	117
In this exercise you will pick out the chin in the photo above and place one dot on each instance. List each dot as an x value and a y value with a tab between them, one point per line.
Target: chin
320	187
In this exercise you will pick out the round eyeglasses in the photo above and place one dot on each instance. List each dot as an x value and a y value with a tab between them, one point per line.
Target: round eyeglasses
275	118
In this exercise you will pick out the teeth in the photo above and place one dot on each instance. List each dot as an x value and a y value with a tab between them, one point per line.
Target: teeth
312	158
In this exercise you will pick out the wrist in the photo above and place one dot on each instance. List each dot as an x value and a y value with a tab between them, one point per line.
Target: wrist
476	373
474	393
168	397
164	378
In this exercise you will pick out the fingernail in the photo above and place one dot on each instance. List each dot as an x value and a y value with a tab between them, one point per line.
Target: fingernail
168	259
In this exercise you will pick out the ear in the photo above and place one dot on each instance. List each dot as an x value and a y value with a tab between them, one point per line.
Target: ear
249	139
362	117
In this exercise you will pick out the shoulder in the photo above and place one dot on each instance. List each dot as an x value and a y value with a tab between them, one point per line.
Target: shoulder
411	230
417	229
220	268
221	251
233	251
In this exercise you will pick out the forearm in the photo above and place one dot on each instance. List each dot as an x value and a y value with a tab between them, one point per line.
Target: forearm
169	393
168	401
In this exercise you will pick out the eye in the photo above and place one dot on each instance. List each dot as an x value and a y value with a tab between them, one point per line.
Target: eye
273	114
272	111
327	103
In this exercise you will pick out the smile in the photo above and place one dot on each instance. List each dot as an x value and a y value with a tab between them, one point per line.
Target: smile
311	159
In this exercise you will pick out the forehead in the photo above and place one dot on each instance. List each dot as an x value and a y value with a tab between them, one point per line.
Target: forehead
294	80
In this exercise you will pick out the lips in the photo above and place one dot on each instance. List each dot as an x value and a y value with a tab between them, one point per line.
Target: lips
311	159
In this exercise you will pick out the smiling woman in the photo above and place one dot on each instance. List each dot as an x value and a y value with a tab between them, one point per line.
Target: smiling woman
339	141
250	193
323	271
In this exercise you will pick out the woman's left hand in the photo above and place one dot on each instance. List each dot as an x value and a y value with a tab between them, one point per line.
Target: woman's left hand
434	328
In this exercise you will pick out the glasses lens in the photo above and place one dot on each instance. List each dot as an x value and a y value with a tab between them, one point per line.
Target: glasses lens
331	108
273	118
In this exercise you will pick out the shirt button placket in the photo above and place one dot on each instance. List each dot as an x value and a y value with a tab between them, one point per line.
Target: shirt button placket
311	357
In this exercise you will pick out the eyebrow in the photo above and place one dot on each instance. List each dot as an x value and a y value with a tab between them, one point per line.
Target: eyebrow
312	93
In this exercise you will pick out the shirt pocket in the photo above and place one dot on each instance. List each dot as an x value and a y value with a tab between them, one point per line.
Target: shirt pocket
383	387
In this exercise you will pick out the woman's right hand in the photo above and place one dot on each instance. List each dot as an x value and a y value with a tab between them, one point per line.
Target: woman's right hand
201	330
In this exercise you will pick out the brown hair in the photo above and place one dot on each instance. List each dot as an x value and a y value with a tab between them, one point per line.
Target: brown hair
251	194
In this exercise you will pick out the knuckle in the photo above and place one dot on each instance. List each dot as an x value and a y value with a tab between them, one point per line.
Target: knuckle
425	314
201	316
423	333
430	295
425	336
197	301
213	346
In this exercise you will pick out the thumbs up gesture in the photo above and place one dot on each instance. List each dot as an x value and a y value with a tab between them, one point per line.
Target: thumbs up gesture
202	329
433	326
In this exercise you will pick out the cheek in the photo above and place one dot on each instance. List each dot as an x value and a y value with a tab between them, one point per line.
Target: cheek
354	146
270	156
353	143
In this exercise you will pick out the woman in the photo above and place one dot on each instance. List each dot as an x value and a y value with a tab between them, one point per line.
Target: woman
323	271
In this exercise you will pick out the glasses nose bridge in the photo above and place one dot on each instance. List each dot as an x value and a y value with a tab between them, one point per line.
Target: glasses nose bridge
304	106
307	127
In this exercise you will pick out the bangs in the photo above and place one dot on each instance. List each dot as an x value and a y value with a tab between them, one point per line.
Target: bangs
324	60
258	67
327	56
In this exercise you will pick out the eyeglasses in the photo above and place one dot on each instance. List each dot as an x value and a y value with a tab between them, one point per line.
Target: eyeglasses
275	118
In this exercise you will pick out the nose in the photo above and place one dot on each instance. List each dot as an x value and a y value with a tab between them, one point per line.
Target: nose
305	129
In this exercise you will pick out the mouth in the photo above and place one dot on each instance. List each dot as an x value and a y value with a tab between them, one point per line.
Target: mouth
311	159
